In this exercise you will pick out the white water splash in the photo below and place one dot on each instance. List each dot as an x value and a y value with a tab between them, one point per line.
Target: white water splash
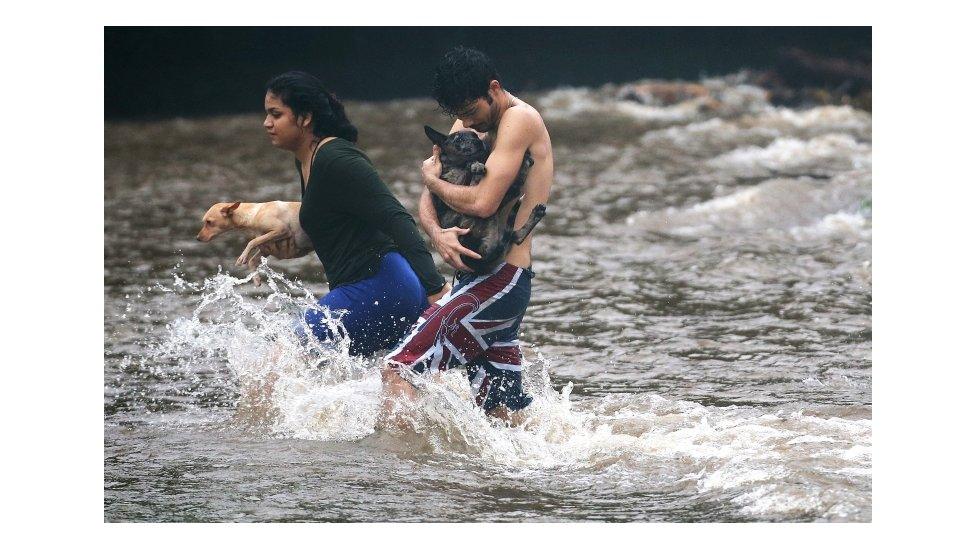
768	463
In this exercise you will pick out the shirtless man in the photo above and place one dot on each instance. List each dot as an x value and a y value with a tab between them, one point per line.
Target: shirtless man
475	325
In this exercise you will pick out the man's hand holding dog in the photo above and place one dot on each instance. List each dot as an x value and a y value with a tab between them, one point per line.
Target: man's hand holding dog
431	168
447	244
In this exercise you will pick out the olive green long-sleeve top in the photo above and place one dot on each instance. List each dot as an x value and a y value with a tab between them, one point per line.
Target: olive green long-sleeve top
353	219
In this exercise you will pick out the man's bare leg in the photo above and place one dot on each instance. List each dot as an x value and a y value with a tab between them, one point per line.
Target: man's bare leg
395	388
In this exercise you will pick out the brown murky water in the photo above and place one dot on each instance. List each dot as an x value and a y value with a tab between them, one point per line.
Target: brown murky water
699	336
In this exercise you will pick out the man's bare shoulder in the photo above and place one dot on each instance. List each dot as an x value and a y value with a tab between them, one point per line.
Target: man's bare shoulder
521	120
526	115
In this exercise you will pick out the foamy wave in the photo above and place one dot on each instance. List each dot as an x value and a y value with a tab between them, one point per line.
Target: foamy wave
764	462
832	152
570	102
723	97
835	223
826	119
770	124
707	135
807	206
735	96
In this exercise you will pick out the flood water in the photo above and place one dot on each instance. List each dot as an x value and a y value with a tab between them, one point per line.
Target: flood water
698	342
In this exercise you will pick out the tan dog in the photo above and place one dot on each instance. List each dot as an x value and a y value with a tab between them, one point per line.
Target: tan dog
273	226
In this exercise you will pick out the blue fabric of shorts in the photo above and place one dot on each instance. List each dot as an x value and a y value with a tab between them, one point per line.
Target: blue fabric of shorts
378	310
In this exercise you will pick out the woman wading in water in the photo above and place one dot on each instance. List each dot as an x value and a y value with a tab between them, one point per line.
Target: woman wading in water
381	276
377	265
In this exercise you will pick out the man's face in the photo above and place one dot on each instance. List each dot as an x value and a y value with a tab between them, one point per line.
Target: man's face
479	115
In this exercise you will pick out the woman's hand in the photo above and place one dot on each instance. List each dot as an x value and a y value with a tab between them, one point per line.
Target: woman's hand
432	298
431	168
447	244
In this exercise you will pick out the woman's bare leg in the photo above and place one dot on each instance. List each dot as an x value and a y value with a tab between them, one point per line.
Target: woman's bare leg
256	404
512	419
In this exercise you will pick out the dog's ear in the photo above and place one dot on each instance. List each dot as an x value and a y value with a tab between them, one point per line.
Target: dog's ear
435	136
228	210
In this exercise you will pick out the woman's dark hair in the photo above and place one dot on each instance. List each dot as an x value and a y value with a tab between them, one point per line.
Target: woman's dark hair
306	95
462	76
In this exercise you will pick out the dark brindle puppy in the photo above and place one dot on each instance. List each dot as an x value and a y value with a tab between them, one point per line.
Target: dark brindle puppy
463	157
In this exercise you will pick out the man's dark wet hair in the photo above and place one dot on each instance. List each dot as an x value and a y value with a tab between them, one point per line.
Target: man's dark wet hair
306	95
462	76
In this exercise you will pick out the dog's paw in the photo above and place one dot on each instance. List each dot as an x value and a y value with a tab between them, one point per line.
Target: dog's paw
479	169
245	257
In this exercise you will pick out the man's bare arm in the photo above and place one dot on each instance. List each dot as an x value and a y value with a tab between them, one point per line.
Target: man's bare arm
482	200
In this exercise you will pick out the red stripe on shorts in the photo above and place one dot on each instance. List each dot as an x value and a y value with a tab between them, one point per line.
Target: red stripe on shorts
445	323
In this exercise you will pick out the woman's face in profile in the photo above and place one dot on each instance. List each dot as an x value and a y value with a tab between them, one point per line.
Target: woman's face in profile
280	123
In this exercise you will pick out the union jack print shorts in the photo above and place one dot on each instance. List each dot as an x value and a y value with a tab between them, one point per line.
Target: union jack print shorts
476	326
